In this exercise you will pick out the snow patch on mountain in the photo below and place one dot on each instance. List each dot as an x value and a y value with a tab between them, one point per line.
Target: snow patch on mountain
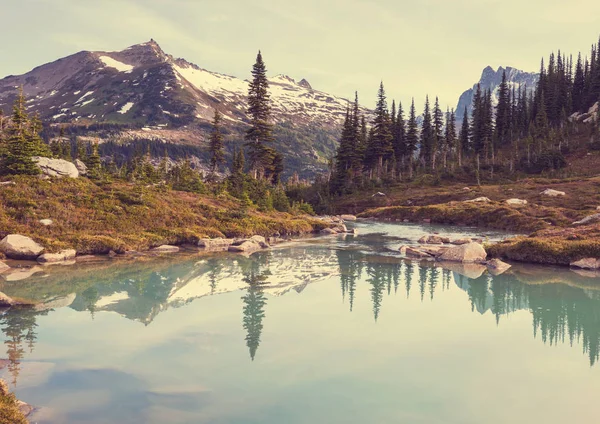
126	108
112	63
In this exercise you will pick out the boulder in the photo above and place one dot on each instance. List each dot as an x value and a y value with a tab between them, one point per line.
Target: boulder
497	267
340	228
63	255
16	246
56	167
516	202
587	263
348	217
461	241
5	301
3	267
416	253
466	189
262	242
592	219
466	253
378	194
46	222
81	167
552	193
433	239
165	248
245	246
215	244
328	231
434	250
478	200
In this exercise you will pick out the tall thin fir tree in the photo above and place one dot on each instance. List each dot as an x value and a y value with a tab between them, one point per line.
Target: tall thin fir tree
427	136
412	137
438	131
464	138
261	130
380	148
216	144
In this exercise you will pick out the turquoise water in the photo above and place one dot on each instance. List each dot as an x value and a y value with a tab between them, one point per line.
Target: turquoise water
329	330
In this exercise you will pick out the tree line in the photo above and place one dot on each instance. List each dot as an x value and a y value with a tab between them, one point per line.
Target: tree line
515	128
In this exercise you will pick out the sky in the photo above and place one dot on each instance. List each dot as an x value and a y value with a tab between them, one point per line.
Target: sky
417	48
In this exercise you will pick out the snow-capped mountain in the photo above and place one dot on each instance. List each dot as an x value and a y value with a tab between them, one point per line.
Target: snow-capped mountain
151	94
490	80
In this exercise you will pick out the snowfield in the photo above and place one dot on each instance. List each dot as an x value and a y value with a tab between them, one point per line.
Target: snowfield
112	63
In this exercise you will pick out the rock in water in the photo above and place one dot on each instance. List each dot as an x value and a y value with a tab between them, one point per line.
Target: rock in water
552	193
16	246
5	301
467	253
215	244
461	241
348	217
246	246
165	248
587	263
497	267
63	255
56	167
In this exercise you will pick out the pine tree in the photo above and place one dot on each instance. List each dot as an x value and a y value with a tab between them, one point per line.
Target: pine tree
216	143
94	163
380	148
412	136
438	131
259	109
503	112
449	135
20	145
427	136
399	136
464	137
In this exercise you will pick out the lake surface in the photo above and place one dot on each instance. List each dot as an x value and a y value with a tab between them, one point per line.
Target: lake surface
327	330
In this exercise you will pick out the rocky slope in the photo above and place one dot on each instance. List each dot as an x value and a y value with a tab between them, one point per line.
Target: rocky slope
148	94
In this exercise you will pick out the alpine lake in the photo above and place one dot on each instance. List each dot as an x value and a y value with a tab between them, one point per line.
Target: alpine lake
336	329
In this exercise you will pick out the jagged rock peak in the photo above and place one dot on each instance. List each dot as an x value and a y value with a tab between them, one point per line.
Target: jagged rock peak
305	84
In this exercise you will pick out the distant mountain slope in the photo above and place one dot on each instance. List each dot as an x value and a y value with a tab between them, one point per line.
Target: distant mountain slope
490	80
150	94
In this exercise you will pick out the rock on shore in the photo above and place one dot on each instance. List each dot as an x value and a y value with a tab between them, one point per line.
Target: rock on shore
16	246
466	253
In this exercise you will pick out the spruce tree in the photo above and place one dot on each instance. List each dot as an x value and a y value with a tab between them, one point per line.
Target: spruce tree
438	130
464	138
427	136
380	148
412	136
94	163
21	146
216	143
400	148
259	109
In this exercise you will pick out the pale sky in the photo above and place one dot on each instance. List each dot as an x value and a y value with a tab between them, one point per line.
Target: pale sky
435	47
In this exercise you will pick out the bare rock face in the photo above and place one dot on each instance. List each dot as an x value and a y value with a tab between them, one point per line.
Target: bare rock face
63	255
592	219
497	267
516	202
587	263
56	167
165	248
16	246
552	193
467	253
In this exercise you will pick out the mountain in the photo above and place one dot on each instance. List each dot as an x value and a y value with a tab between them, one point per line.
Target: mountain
145	93
490	80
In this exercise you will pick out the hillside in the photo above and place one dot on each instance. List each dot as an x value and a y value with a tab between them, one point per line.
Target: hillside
144	93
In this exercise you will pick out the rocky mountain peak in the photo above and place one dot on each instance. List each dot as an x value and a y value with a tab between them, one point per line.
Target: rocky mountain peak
305	84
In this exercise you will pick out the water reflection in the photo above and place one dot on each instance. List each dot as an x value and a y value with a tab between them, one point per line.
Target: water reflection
565	307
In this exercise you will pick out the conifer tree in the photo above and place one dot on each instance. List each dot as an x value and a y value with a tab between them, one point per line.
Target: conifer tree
438	131
259	109
399	136
380	148
503	112
449	135
427	136
216	143
94	163
412	136
464	137
20	145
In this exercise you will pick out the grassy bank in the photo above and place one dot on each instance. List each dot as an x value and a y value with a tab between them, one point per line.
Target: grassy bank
120	216
9	408
552	239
